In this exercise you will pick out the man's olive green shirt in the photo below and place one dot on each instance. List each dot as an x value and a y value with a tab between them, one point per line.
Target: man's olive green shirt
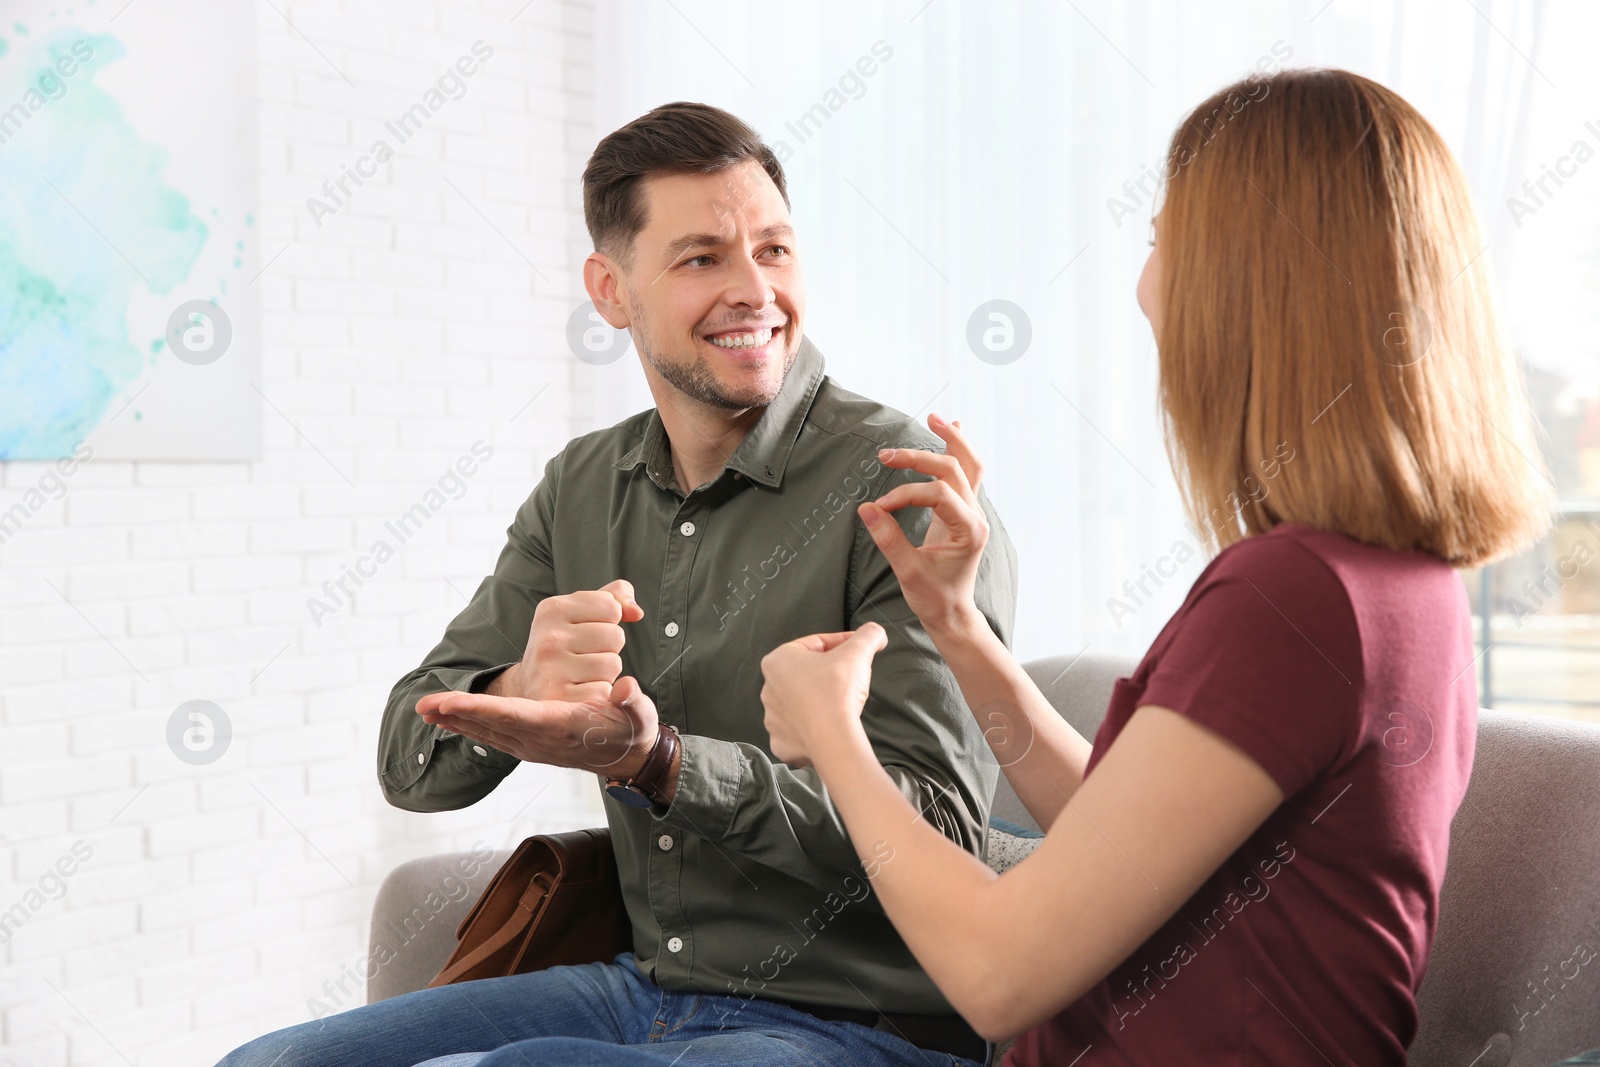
749	883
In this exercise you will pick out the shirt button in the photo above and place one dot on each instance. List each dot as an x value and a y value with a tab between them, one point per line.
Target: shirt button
687	529
480	750
665	841
671	629
674	944
421	758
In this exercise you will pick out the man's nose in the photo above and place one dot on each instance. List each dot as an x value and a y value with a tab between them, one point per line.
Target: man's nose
748	283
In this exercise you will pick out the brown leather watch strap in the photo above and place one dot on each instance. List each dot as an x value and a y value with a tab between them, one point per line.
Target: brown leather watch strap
652	777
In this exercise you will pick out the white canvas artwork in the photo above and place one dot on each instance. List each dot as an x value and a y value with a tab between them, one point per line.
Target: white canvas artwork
129	324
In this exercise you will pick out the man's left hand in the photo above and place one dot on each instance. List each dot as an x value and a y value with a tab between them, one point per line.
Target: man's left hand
609	737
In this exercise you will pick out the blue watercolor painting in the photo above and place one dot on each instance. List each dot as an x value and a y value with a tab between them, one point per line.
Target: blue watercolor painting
92	222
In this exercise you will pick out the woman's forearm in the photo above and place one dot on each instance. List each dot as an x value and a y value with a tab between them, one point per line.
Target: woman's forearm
931	888
1042	755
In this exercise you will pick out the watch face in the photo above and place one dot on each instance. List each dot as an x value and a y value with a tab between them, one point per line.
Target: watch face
629	796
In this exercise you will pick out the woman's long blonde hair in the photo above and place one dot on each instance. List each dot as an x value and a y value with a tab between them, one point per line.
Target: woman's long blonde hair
1324	296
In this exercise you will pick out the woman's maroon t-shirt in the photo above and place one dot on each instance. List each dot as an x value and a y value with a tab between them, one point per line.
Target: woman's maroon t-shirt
1345	671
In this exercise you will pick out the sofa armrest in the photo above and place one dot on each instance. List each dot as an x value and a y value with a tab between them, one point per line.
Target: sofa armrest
414	919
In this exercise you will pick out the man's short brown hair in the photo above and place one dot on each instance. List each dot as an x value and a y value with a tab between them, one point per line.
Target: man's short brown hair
676	138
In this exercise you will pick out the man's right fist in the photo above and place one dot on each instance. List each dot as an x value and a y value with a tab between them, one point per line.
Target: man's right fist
575	644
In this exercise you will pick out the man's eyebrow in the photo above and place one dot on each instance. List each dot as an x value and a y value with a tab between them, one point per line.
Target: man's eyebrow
688	241
777	229
711	240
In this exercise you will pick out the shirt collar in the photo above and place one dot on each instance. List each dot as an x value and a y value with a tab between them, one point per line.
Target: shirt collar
763	455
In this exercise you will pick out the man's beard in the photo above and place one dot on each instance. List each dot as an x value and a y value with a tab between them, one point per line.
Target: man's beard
695	379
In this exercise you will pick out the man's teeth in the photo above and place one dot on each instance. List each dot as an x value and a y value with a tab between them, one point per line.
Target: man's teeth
743	340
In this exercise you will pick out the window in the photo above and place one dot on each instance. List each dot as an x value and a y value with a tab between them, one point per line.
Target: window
1538	614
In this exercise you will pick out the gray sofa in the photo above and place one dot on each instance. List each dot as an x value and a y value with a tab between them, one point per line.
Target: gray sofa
1515	974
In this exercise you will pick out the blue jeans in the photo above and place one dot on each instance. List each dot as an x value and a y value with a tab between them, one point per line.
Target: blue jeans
593	1015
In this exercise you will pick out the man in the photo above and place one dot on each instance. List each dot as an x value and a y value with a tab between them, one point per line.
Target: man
640	585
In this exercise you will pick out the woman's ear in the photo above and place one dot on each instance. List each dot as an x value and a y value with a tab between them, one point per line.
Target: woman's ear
1148	291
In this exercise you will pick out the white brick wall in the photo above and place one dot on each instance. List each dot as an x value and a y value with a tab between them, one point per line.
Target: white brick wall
218	899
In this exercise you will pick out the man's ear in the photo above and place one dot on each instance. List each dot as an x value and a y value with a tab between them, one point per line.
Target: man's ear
602	277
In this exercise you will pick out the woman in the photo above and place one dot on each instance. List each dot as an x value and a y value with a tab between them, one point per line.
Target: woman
1245	866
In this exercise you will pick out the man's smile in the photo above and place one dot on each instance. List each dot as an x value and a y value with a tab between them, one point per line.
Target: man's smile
749	340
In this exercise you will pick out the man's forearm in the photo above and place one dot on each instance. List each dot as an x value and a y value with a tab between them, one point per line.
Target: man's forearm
508	683
735	795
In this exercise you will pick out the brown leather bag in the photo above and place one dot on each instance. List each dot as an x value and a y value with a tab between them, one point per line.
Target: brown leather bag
556	901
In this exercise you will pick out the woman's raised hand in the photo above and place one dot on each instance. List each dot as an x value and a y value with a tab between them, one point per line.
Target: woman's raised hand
938	577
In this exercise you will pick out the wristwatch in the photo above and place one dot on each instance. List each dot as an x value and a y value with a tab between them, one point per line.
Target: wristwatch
646	789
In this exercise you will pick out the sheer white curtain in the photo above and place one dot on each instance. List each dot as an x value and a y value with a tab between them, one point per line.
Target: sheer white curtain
944	154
